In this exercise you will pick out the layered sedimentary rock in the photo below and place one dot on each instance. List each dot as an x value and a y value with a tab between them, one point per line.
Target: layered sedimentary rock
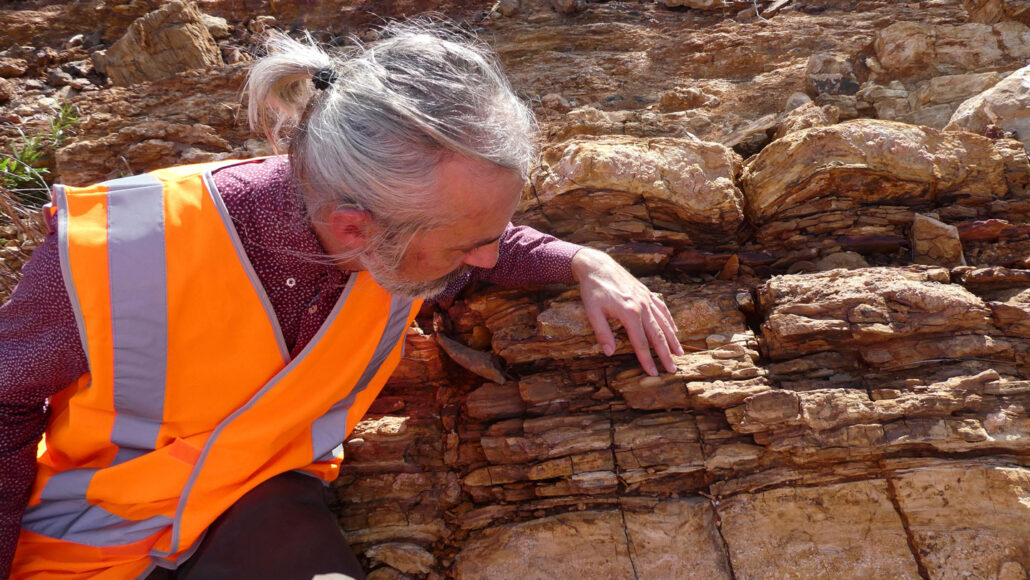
807	438
641	198
853	399
133	131
857	186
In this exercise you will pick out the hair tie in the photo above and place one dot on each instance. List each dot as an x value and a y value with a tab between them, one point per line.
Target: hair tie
324	78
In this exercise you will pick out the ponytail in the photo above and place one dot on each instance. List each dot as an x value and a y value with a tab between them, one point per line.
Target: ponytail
279	85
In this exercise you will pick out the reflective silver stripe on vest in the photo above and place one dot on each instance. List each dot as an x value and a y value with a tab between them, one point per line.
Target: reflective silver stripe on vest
71	484
330	429
74	520
198	466
139	308
61	201
139	325
65	514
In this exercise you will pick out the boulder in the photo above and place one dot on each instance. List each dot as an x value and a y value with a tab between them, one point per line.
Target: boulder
935	242
170	40
806	116
1005	105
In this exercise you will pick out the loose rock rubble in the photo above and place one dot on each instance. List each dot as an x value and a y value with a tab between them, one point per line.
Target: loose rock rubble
832	197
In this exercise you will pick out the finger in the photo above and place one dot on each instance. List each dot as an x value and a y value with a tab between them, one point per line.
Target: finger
602	330
668	325
638	338
664	309
658	340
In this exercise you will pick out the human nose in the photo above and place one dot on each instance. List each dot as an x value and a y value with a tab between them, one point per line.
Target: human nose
483	256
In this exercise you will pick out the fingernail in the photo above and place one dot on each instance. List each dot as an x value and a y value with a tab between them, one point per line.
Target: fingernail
679	349
608	349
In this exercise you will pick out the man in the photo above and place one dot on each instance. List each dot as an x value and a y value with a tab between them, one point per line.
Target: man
208	335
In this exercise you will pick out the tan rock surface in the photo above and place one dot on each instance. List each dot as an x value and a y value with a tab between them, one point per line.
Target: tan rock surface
941	499
921	50
1004	105
169	40
663	194
869	417
936	243
846	530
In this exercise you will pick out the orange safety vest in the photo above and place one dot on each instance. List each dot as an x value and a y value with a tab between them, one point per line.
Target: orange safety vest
192	399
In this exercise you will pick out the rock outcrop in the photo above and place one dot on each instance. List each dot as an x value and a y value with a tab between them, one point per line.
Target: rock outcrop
850	280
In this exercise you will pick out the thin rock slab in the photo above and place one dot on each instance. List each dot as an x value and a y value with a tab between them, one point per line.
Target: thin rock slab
525	329
846	530
865	309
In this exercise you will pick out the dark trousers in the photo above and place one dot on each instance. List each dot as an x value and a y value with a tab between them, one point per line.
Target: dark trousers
280	530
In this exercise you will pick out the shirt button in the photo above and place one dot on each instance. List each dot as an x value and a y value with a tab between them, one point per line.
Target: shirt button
290	282
313	309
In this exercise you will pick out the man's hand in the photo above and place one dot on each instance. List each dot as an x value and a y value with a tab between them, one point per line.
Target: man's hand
609	291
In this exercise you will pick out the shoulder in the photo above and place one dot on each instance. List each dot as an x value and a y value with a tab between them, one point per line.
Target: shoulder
254	178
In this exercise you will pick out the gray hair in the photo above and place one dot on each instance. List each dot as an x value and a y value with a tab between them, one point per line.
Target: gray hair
397	107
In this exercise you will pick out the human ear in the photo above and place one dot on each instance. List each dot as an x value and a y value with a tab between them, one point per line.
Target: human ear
350	227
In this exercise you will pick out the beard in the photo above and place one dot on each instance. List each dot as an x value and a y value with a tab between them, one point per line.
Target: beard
387	277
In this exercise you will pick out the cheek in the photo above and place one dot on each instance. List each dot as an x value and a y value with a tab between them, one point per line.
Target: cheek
430	265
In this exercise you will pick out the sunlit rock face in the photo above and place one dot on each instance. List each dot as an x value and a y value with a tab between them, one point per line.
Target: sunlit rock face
850	281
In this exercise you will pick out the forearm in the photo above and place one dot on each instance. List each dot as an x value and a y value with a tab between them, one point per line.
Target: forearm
527	256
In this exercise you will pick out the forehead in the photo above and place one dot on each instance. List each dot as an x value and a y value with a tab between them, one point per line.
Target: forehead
470	189
476	201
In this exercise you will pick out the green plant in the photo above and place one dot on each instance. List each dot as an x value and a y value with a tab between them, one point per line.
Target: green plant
60	124
20	175
23	172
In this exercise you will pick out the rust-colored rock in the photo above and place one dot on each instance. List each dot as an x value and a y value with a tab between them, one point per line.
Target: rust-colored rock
992	11
125	131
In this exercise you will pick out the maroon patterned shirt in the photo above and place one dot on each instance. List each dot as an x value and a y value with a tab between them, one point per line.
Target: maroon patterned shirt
40	350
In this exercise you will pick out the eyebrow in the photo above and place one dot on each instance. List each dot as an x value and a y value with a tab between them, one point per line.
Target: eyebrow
480	243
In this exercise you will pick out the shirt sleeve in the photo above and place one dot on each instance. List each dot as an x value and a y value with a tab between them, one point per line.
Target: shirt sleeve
524	256
40	354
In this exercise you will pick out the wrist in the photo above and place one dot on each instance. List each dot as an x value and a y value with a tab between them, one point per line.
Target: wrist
585	261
